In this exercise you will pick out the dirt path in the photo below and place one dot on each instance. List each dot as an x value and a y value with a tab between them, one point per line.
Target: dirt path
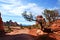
26	34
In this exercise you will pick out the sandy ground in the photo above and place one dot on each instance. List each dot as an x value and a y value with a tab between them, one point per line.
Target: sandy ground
34	32
30	34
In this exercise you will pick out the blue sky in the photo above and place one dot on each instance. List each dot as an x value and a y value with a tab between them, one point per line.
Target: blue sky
12	9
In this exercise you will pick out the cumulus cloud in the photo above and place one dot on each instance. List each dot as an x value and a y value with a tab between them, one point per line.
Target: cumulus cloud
17	7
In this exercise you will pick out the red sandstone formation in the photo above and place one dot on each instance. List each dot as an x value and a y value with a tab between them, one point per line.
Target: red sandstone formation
2	32
56	25
1	23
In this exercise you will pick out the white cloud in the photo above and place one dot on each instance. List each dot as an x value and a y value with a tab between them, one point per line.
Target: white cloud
16	2
31	6
55	8
16	7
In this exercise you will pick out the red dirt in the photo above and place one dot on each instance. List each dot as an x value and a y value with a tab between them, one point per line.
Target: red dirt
33	34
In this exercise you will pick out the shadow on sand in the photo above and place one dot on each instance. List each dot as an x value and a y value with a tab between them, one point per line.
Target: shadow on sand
26	37
45	37
17	37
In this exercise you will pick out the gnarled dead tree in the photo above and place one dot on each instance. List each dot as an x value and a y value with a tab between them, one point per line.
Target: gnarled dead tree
39	20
